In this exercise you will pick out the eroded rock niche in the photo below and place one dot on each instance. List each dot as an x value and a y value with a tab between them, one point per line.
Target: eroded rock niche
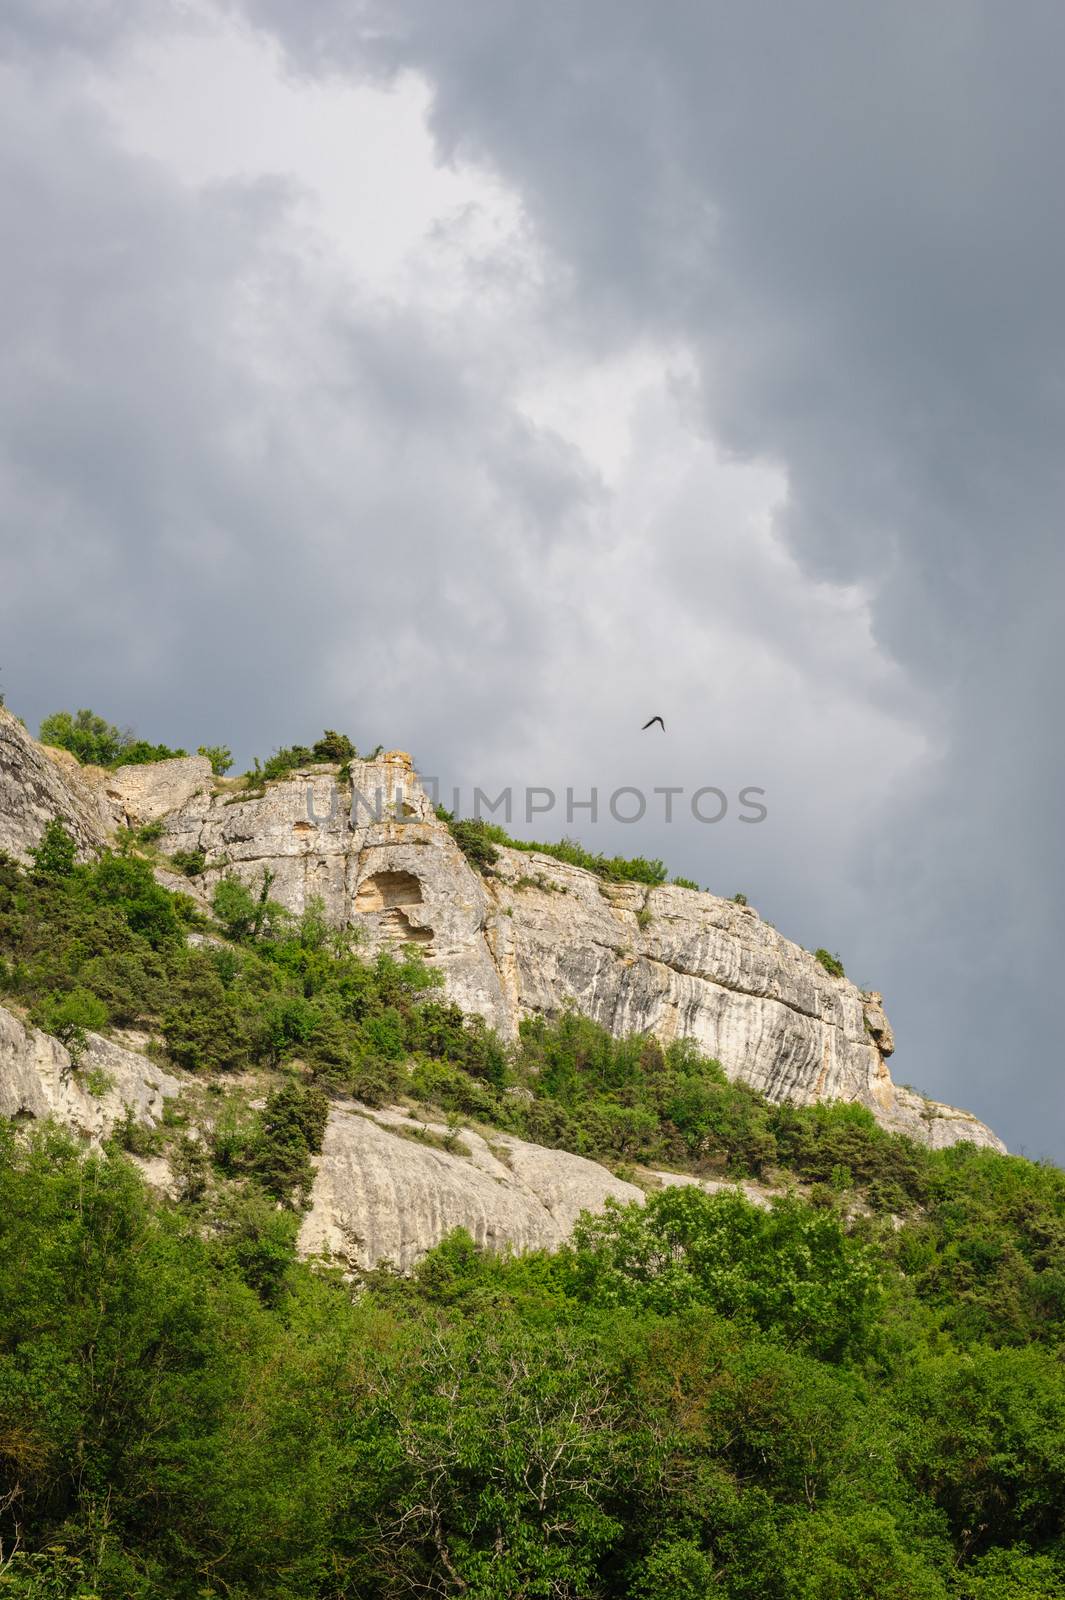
384	896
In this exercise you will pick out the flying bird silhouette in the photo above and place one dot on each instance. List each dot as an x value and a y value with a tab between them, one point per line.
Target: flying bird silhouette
651	724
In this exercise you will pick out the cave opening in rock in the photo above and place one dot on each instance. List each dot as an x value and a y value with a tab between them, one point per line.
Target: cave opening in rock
386	890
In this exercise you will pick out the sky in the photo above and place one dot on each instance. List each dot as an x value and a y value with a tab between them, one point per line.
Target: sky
482	379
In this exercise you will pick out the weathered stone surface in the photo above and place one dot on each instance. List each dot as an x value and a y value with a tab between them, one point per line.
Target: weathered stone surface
707	969
142	794
932	1123
38	1080
38	784
382	1195
397	883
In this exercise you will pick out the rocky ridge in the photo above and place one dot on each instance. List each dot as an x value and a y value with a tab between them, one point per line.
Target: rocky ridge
533	937
530	938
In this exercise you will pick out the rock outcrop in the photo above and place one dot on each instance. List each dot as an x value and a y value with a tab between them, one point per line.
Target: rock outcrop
142	794
37	784
38	1080
381	1194
534	936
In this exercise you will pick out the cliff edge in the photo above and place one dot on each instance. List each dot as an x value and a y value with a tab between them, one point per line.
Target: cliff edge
533	936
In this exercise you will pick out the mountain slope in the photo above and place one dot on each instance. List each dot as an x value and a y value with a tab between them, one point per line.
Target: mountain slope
533	936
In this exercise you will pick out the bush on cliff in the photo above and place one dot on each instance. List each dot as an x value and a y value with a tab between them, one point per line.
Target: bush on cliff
97	742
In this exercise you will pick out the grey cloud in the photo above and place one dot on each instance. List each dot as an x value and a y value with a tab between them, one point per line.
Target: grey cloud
239	500
77	28
851	214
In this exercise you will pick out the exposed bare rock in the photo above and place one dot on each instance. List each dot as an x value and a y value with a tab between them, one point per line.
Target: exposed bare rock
142	794
38	1080
397	882
538	935
877	1024
932	1123
38	784
682	964
380	1194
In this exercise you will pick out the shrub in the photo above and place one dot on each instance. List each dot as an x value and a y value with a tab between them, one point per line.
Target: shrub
293	1123
478	839
97	742
133	1136
333	746
474	838
248	916
56	854
219	755
684	883
203	1025
190	862
282	762
831	963
70	1017
127	885
93	739
139	753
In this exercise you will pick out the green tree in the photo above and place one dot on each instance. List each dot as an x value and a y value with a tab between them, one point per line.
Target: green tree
71	1016
333	746
56	855
792	1271
293	1123
219	755
94	740
97	742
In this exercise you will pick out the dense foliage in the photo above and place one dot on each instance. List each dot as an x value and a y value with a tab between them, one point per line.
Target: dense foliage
857	1391
695	1400
97	742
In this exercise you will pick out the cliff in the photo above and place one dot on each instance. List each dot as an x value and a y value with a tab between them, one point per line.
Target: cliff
532	937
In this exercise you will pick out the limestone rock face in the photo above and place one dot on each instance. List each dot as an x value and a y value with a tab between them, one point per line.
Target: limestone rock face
382	1195
38	1080
38	784
679	963
531	938
932	1123
145	793
375	854
539	934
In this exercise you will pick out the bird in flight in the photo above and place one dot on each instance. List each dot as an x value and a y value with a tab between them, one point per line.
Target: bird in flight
651	724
